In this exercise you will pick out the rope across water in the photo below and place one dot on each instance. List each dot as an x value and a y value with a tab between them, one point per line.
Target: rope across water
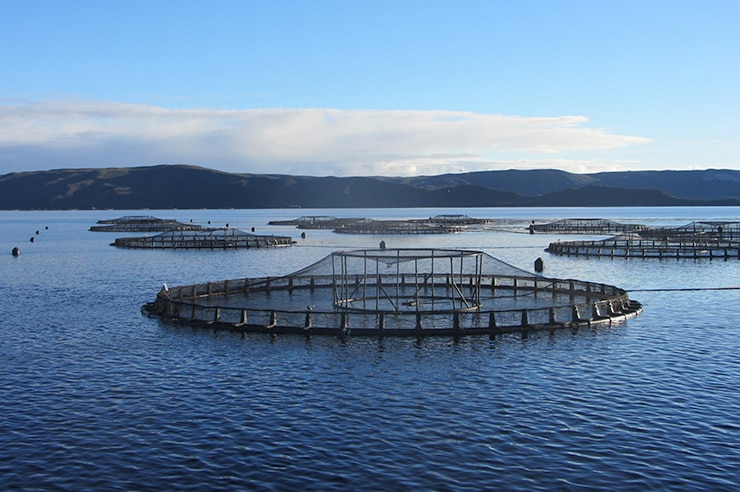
682	289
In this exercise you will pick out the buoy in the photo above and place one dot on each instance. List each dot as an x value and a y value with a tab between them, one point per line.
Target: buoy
539	265
32	239
252	229
16	251
37	233
303	235
382	244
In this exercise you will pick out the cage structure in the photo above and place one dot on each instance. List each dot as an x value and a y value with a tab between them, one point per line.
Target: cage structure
440	224
696	231
710	240
370	226
396	292
222	238
584	226
317	222
456	219
141	223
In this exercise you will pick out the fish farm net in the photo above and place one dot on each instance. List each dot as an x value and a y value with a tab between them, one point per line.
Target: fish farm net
142	223
584	226
697	240
203	239
396	292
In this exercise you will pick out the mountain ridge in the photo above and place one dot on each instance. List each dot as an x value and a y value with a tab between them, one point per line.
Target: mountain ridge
186	186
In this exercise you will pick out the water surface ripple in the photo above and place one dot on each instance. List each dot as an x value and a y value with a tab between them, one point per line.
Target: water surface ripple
96	396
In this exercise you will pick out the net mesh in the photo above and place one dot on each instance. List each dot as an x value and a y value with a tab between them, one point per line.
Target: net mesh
411	261
399	292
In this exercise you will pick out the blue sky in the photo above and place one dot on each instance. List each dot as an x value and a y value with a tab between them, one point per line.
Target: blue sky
400	87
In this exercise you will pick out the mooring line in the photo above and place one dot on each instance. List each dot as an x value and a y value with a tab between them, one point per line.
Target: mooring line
684	289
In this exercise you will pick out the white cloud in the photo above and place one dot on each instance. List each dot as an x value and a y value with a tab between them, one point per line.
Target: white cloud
53	134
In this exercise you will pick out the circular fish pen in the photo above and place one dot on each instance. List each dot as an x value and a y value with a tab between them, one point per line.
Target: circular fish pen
397	227
584	226
396	292
203	239
697	240
142	223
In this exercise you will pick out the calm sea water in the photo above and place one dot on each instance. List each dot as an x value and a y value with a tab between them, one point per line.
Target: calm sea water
95	396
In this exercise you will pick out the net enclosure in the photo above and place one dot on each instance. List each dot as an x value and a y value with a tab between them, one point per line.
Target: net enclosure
141	223
396	292
439	224
584	226
223	238
710	240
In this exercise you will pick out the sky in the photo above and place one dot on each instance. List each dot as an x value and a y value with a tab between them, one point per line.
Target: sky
376	87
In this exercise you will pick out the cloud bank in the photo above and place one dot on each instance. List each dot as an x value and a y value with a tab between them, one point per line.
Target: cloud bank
57	134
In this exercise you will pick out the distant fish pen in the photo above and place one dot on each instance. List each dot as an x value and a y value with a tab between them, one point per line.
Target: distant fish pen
397	227
455	219
203	239
697	231
440	224
396	292
584	226
316	222
712	240
141	223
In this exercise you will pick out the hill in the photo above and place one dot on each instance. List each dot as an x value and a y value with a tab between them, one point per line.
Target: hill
181	186
710	184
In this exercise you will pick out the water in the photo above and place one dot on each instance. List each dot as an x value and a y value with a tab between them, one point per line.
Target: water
97	396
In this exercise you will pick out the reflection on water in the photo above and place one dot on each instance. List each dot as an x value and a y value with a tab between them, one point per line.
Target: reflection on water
97	396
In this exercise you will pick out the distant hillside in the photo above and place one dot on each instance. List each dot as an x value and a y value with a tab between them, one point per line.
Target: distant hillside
711	184
181	186
600	196
525	183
